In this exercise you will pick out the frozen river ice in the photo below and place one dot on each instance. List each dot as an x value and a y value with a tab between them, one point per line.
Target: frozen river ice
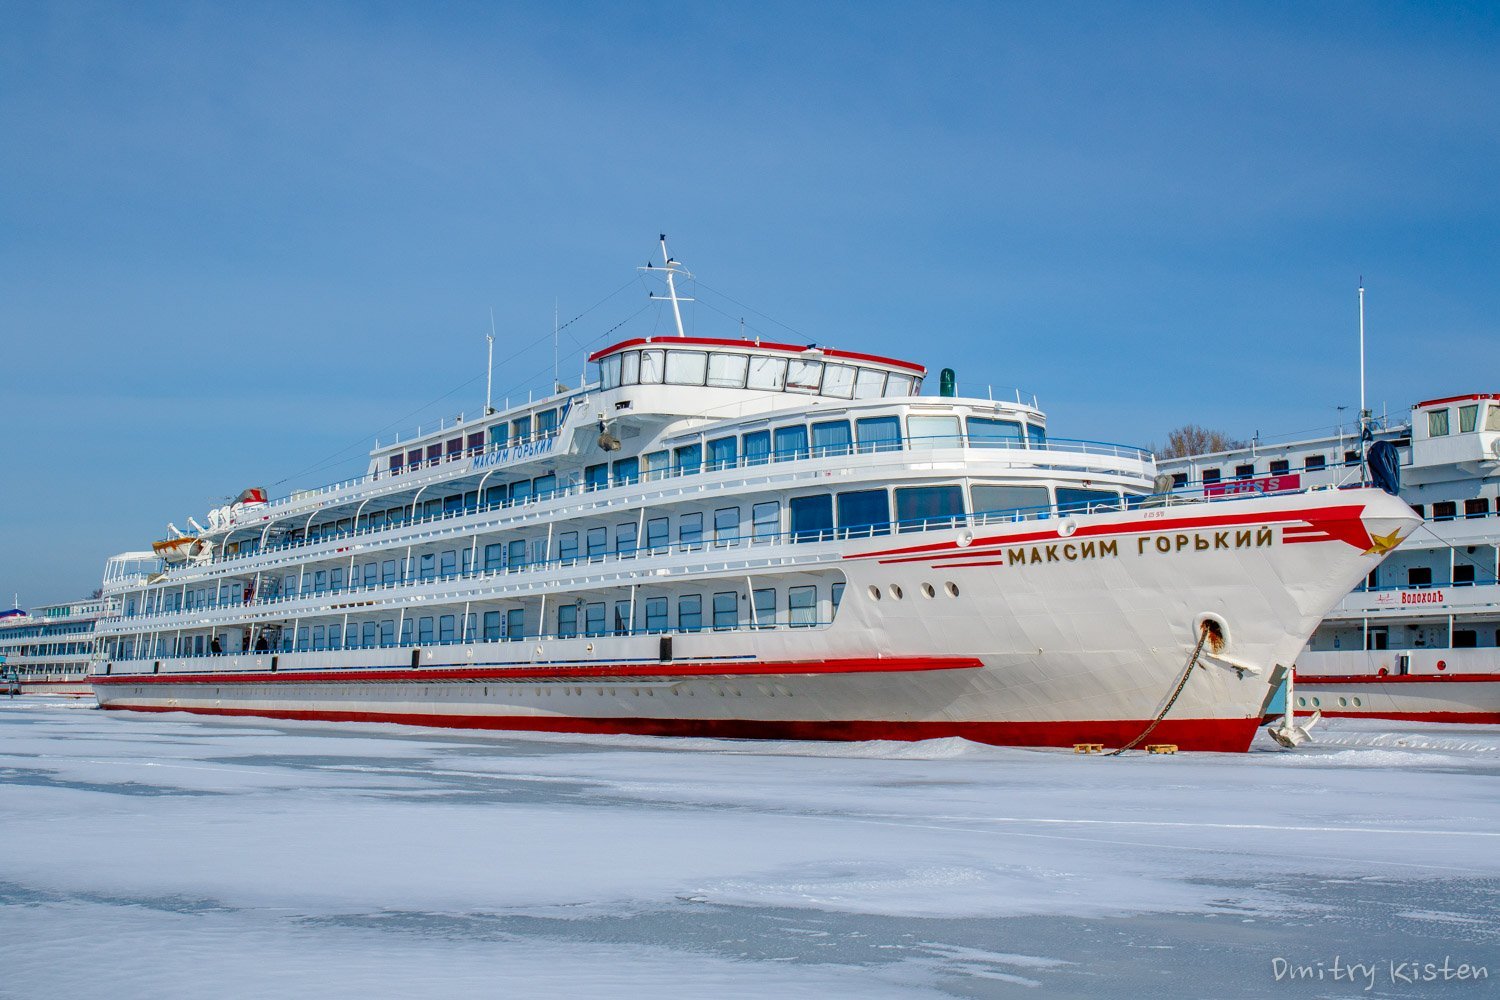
173	856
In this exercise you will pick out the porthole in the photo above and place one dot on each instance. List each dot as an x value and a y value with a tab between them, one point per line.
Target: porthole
1316	703
1301	702
895	592
951	588
1357	703
874	592
1344	702
927	590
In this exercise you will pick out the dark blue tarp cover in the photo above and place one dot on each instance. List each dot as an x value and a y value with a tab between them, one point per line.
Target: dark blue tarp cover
1384	462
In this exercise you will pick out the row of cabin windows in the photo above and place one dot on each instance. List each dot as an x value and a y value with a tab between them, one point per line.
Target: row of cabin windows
784	443
52	649
517	431
720	611
762	372
1447	510
1468	420
1276	467
817	517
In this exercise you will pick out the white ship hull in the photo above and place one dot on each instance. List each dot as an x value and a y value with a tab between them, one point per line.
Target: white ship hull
1429	685
1045	633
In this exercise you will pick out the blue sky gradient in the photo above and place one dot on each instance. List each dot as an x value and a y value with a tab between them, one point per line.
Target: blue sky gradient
239	242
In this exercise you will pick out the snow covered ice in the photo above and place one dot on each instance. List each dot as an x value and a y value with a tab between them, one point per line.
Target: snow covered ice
175	856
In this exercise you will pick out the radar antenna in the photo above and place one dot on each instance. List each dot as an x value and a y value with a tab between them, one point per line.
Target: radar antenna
671	269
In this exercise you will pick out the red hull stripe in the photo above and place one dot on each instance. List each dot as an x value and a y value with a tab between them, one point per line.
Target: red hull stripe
1225	735
1346	517
1462	718
1330	679
589	672
764	345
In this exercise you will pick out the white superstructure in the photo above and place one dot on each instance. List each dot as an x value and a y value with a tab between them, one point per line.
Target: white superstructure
49	650
746	538
1419	638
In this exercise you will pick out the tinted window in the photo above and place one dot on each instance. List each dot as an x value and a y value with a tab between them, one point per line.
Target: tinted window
1029	500
811	517
864	512
928	506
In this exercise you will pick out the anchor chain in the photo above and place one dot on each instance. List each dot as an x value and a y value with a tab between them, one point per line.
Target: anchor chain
1181	683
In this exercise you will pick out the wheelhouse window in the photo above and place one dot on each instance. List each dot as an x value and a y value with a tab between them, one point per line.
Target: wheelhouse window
609	372
728	371
767	373
630	368
686	367
653	367
838	381
1437	423
803	376
869	384
899	385
919	507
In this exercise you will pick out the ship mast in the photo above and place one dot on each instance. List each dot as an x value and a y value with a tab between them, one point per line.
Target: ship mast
672	269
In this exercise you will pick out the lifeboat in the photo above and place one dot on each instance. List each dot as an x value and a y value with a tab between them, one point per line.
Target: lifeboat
176	550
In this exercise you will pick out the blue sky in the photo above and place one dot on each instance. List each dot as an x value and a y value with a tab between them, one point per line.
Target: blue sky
237	242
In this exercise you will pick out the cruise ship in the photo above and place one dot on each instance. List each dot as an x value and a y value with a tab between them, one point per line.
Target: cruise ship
49	650
746	538
1419	637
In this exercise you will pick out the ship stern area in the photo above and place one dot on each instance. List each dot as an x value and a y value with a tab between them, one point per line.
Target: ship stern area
1086	625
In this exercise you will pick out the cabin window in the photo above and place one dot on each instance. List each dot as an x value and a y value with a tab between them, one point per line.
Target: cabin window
869	384
498	434
933	431
455	446
686	367
1008	501
1437	423
395	465
811	517
1463	575
609	372
656	614
414	457
367	635
765	520
1038	435
726	525
627	471
1280	466
831	438
319	638
723	453
598	542
372	576
388	572
838	595
494	555
987	432
1465	638
838	381
1244	471
726	610
898	385
658	464
863	513
1468	418
630	368
520	428
689	458
802	606
1210	476
1444	510
622	618
476	442
1477	508
1072	498
434	452
764	604
335	636
727	371
791	443
767	373
879	433
757	447
567	546
690	613
1313	463
1419	576
515	623
690	529
803	376
658	533
515	553
920	507
625	539
596	477
653	367
388	632
491	626
542	487
567	620
593	618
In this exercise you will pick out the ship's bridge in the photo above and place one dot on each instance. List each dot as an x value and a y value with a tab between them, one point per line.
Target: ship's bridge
745	369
